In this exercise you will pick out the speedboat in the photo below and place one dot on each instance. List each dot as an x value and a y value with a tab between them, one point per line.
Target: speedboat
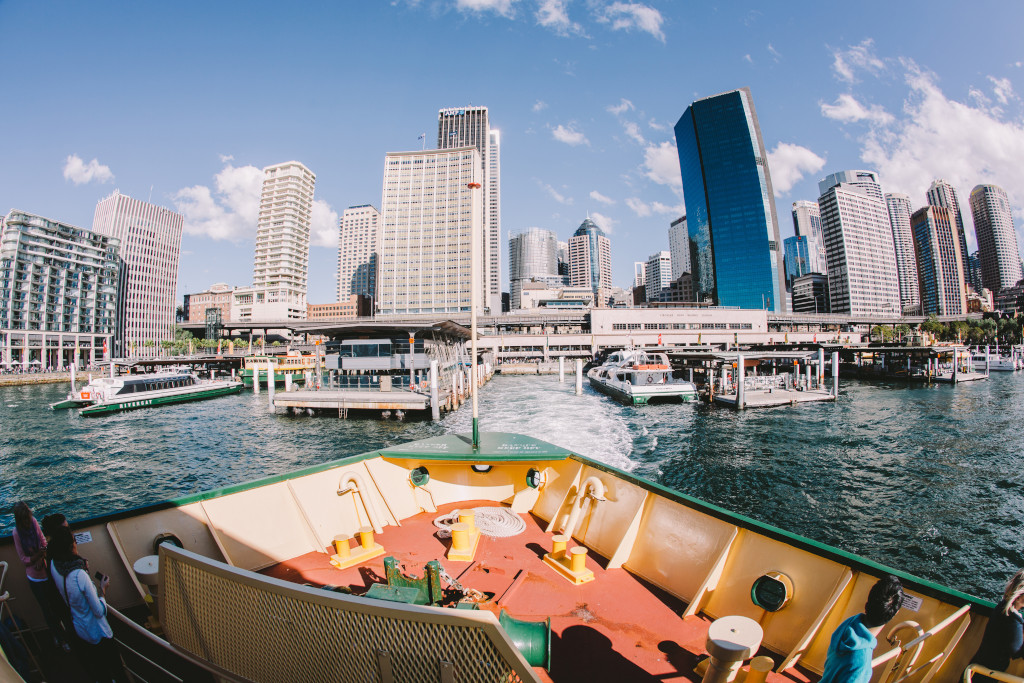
637	377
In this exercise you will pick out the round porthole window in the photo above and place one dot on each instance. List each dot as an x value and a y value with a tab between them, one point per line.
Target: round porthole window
419	476
481	469
534	478
771	591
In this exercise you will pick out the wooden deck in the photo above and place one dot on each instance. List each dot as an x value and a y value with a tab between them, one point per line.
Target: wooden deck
615	628
777	397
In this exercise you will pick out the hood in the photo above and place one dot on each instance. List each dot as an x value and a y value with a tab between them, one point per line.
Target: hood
857	637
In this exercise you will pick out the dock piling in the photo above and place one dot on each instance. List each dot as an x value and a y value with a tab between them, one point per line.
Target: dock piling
287	381
270	387
741	373
435	407
579	376
255	379
835	374
561	369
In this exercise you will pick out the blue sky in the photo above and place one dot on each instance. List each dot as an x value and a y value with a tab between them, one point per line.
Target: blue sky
184	102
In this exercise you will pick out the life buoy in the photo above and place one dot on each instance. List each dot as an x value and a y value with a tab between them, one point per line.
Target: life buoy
651	366
86	395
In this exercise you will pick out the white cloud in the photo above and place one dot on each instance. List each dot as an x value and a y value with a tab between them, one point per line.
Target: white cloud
502	7
633	15
661	164
79	172
748	58
323	225
848	110
228	213
555	194
845	63
789	163
665	209
638	206
225	158
623	106
656	126
774	53
633	131
598	197
569	135
539	105
554	14
1003	89
604	222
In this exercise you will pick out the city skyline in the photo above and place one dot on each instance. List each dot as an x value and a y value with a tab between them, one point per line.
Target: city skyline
585	113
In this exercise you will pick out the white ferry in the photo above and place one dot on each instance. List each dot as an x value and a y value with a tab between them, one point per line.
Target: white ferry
637	378
112	394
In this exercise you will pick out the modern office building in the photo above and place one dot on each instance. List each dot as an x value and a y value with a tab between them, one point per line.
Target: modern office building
150	239
939	263
590	261
280	271
997	238
898	206
429	212
58	293
470	127
679	247
810	294
659	274
357	252
942	193
532	254
807	223
861	259
867	181
797	258
974	271
730	210
640	274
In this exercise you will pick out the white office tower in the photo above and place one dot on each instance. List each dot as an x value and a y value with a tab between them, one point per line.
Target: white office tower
903	245
428	214
590	261
807	223
150	238
659	274
867	181
357	251
280	271
861	259
997	239
679	247
939	264
640	274
942	193
532	255
469	127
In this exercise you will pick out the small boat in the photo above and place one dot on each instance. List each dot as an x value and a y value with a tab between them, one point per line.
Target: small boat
113	394
294	363
994	361
637	377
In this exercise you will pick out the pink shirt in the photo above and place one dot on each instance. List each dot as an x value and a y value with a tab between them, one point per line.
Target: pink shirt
36	571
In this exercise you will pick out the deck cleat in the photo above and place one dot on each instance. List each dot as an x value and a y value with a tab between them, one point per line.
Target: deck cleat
571	564
347	556
465	538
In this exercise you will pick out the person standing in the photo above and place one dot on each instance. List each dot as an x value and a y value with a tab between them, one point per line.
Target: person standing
30	545
849	652
88	606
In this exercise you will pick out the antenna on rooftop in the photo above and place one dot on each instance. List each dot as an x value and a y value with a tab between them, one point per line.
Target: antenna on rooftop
150	200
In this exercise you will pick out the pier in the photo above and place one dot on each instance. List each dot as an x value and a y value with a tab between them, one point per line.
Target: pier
950	364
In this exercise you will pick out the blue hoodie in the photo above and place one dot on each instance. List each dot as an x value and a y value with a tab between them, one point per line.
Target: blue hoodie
849	653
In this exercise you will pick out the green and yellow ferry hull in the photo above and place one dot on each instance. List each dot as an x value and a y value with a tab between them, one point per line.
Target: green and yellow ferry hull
133	403
297	376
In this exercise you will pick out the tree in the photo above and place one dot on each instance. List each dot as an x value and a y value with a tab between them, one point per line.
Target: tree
883	333
903	331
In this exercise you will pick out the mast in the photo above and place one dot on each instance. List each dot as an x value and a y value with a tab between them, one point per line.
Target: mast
474	295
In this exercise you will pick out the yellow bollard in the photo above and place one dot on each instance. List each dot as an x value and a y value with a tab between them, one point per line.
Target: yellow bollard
558	543
468	517
347	556
341	546
366	537
759	668
573	567
578	561
460	537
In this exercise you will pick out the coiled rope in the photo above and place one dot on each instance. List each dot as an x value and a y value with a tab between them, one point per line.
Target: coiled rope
494	522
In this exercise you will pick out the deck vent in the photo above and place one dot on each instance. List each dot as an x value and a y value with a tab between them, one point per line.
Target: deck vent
771	591
419	476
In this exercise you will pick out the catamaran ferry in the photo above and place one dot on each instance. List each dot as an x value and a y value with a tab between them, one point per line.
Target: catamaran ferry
112	394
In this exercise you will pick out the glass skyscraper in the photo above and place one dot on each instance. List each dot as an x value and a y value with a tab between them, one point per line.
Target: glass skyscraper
736	253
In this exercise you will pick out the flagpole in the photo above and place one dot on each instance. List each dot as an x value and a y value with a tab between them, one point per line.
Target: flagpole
473	296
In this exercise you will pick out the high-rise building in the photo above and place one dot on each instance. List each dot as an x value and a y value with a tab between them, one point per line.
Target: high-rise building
429	212
640	273
997	238
150	238
898	206
730	210
280	271
58	293
659	274
867	181
810	294
807	223
532	254
939	264
470	127
357	252
797	258
862	276
942	193
563	258
679	247
974	271
590	260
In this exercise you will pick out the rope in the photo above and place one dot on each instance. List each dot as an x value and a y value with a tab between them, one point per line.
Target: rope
493	522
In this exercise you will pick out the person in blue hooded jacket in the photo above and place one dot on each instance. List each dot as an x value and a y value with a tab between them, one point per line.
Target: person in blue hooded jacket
849	652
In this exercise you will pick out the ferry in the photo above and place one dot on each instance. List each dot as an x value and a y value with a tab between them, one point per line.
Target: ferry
104	395
986	358
295	364
556	567
637	377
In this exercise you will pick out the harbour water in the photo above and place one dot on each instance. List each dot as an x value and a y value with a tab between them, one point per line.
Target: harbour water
926	479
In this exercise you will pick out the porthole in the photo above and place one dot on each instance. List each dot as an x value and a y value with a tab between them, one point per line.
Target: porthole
419	476
481	469
771	591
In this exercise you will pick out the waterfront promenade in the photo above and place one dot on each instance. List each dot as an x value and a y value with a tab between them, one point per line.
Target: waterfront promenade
24	378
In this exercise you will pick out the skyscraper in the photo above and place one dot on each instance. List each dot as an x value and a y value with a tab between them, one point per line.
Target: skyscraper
659	274
939	264
590	260
807	223
797	258
997	238
470	127
150	238
730	211
679	247
280	270
428	215
898	206
941	193
867	181
861	258
639	273
532	254
357	251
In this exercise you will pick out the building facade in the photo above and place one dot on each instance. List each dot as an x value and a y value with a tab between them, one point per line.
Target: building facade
807	223
867	181
357	251
58	293
640	274
531	254
939	262
997	238
428	215
730	210
859	251
280	271
942	193
590	260
898	206
810	294
351	306
150	239
679	247
218	297
470	127
797	258
659	275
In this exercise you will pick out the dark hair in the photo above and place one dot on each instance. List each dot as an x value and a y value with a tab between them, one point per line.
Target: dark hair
26	527
884	601
62	544
52	522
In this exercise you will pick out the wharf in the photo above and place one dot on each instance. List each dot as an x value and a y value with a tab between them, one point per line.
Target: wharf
342	400
537	368
17	380
774	398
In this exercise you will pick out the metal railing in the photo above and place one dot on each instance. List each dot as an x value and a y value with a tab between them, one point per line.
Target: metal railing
903	657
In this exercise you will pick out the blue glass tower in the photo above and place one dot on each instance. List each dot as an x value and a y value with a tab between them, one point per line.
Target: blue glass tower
735	251
797	258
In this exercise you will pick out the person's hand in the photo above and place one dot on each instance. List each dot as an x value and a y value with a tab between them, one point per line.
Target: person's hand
103	585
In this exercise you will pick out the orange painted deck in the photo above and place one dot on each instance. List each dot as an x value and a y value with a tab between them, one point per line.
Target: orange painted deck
617	627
